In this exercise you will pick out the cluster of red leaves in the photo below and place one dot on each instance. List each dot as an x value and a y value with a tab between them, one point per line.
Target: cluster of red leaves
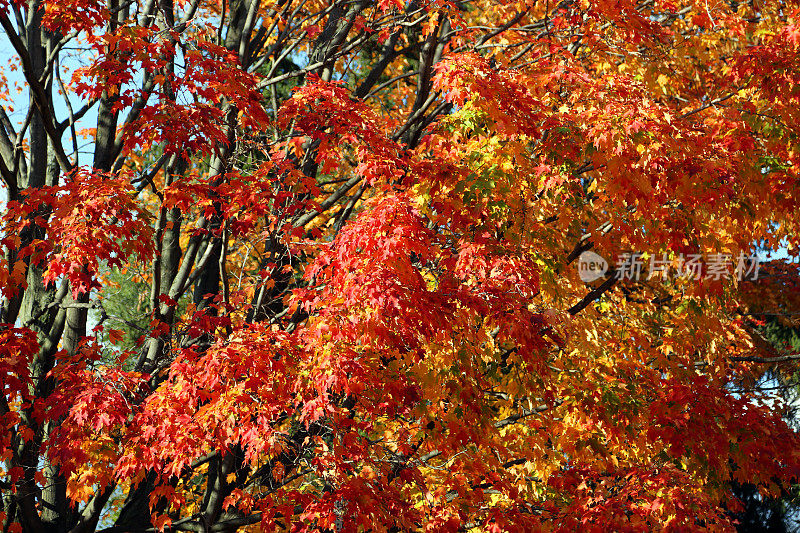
328	115
89	220
18	346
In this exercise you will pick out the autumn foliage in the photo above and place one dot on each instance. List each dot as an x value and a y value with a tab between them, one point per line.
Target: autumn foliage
351	232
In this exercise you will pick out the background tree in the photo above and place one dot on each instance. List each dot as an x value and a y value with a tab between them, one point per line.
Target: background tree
372	211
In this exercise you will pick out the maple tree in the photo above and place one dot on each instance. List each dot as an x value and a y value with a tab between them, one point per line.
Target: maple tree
355	228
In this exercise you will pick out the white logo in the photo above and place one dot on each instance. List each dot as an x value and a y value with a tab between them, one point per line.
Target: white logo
591	266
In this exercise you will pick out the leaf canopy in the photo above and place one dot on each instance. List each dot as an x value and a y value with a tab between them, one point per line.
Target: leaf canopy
357	229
